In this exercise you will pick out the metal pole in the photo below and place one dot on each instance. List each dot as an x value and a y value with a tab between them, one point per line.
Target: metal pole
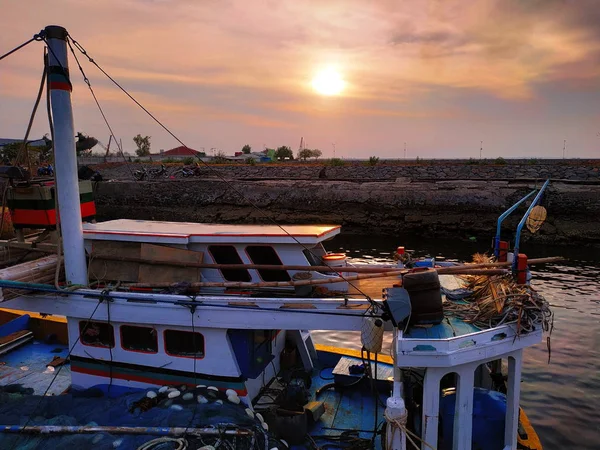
504	215
65	158
522	223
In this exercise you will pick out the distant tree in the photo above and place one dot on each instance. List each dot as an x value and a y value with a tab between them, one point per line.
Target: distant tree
143	145
220	158
9	152
246	149
304	154
284	152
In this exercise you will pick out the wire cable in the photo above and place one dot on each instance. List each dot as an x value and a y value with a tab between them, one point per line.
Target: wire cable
89	85
221	177
37	37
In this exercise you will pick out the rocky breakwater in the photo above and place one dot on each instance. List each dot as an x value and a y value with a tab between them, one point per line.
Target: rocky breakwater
460	208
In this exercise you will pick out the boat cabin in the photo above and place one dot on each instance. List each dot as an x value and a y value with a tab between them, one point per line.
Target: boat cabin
131	251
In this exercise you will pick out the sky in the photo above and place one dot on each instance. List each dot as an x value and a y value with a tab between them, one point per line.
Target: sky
441	76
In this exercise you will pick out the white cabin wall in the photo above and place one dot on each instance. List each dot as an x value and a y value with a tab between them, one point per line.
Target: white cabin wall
218	359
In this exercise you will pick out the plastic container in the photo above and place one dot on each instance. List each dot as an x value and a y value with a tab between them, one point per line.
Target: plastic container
489	410
425	262
334	259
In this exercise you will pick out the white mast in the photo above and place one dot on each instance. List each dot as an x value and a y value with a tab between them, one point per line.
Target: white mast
65	158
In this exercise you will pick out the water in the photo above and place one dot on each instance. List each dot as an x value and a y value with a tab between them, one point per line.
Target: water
562	398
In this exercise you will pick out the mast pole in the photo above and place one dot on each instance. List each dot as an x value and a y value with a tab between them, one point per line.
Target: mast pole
65	157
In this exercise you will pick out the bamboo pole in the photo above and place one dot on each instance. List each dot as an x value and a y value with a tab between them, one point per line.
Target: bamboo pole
155	431
309	282
347	269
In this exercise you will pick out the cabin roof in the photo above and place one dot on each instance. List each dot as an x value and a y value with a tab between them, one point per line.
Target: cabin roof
185	232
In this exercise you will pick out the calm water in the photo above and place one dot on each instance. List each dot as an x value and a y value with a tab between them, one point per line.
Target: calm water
562	398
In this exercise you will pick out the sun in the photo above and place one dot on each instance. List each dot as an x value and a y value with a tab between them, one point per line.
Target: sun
328	82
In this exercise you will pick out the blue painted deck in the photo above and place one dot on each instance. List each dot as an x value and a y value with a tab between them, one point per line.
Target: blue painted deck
27	366
350	409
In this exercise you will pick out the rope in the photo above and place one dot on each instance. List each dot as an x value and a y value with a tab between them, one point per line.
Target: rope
399	424
24	149
221	177
37	37
89	85
181	443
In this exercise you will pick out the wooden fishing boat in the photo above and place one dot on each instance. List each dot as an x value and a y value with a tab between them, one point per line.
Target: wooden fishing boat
203	332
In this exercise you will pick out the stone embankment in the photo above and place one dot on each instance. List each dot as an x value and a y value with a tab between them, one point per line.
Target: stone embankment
582	170
428	200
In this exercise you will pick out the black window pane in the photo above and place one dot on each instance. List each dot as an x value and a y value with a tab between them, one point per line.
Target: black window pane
184	343
227	254
265	254
139	339
98	334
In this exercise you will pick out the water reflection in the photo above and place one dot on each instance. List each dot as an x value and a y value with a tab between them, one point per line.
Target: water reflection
562	398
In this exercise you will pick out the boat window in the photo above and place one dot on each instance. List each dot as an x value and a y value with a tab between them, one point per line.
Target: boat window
227	254
184	343
96	334
265	254
139	339
313	256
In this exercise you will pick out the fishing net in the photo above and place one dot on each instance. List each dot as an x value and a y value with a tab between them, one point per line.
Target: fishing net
80	408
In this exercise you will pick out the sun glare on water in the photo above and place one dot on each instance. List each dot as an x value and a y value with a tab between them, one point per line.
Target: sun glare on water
328	82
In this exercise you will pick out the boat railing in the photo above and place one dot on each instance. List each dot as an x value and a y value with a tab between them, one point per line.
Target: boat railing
535	201
447	352
503	216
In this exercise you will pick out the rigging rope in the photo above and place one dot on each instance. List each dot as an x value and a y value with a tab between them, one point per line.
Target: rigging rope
89	85
24	150
221	177
36	37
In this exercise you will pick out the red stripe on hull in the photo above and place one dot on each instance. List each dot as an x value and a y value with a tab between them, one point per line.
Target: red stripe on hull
139	378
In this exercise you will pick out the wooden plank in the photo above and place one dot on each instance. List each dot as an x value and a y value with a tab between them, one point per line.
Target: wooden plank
165	273
107	270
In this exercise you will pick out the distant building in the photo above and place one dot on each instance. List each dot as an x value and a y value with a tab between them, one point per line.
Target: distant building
180	152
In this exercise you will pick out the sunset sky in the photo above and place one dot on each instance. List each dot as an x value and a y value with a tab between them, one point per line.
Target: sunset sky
440	75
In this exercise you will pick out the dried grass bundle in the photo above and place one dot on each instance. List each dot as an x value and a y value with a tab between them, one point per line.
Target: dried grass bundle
498	300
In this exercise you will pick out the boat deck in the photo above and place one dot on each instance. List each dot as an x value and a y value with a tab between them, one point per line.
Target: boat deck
27	366
348	410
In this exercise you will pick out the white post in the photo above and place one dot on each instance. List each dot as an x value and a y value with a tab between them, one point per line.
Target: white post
65	157
512	399
463	408
395	410
431	406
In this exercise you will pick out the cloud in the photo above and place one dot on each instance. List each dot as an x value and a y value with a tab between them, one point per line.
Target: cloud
251	63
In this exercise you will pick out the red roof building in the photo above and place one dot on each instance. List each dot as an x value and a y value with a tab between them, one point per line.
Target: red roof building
180	151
